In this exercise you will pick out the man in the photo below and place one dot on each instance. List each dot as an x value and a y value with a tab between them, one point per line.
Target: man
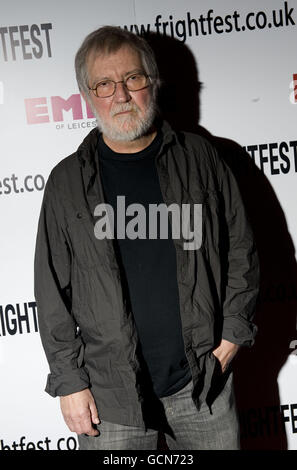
139	330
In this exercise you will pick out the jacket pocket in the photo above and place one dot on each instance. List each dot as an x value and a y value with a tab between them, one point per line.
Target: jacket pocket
88	251
218	379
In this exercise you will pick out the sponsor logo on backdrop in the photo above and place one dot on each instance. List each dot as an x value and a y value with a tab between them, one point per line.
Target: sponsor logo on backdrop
30	183
208	23
275	158
293	86
25	42
269	421
60	110
23	443
18	318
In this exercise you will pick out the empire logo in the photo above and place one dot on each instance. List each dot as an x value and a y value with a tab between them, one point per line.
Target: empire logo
53	109
293	86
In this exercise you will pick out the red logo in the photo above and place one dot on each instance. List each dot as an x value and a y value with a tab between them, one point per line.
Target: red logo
43	110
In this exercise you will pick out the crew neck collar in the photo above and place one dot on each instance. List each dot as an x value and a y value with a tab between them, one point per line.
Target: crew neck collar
106	153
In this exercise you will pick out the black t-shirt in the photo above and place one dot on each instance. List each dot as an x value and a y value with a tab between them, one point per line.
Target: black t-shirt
149	266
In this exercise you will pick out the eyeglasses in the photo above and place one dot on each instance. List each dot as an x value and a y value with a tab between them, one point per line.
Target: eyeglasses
135	82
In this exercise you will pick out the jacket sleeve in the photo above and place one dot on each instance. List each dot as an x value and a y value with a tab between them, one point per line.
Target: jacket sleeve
242	264
52	287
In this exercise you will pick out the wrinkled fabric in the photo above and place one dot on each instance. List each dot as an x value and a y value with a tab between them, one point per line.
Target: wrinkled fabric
86	327
185	429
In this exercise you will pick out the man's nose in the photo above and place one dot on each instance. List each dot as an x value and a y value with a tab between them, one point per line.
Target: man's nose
122	93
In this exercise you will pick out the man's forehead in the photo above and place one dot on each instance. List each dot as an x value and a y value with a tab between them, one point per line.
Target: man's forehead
107	59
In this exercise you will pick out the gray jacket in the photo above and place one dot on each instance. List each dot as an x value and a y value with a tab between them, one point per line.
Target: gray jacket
86	327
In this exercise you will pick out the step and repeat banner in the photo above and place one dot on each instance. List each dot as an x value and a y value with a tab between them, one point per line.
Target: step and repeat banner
231	73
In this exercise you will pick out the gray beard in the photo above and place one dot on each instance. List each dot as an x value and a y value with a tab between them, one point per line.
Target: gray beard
118	133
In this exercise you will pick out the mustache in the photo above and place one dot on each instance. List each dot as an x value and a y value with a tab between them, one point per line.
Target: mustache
122	107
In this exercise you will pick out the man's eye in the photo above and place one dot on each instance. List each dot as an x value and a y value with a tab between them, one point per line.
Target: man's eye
103	84
136	81
136	76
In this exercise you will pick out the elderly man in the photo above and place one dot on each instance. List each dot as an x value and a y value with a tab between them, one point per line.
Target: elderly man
139	328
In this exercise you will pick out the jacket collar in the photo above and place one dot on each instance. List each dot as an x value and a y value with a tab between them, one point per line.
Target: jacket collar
87	149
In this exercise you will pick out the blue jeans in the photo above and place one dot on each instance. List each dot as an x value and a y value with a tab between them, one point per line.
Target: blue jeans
191	429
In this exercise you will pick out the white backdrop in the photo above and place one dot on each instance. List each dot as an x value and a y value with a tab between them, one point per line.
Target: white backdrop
245	55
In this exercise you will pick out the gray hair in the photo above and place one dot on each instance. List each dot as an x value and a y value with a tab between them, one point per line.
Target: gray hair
109	39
